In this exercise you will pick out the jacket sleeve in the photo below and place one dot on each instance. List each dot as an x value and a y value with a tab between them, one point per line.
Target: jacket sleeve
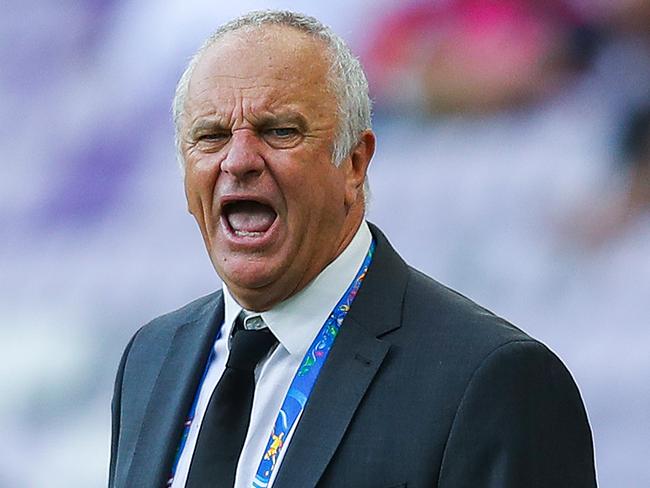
521	423
116	414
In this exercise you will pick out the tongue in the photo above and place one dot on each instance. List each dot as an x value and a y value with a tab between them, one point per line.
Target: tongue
250	217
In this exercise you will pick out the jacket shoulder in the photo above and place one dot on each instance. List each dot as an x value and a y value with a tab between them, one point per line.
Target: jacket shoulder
149	345
166	325
455	320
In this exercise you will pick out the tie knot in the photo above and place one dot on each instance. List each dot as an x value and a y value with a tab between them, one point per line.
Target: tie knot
248	347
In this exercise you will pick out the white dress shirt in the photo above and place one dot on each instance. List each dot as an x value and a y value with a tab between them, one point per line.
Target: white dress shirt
295	323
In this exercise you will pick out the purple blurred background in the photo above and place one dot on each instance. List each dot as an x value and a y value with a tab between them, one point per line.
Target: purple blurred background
513	164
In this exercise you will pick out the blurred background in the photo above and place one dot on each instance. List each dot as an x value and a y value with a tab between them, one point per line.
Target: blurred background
513	165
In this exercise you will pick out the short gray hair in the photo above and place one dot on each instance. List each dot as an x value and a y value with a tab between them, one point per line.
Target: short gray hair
347	78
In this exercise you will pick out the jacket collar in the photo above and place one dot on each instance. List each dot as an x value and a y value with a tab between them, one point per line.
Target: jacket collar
172	396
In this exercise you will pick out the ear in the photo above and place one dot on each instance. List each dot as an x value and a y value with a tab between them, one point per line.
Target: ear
356	167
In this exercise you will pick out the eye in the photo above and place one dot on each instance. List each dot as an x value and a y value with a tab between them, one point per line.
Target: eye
283	132
282	137
211	141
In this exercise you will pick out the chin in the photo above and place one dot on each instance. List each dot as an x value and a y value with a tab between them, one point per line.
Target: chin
246	272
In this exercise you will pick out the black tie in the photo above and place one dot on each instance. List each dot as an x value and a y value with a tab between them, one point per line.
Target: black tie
226	419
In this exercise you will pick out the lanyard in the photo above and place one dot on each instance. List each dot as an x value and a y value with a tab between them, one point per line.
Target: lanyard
305	377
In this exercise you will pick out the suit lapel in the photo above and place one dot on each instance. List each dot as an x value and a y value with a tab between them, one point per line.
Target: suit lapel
171	399
352	364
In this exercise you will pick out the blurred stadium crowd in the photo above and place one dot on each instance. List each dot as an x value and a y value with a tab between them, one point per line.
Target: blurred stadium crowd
513	165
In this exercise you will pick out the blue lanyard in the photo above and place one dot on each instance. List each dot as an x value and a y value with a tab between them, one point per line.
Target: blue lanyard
305	377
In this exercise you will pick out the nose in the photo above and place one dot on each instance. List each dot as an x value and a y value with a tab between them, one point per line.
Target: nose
243	159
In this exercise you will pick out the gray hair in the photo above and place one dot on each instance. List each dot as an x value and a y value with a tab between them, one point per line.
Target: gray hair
346	76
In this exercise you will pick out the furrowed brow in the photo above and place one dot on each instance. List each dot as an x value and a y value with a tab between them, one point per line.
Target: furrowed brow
290	118
202	126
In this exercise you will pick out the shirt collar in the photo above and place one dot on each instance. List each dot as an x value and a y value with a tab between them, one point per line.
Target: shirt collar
296	321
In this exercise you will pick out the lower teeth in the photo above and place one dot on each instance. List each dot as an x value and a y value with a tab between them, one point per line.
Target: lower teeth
244	233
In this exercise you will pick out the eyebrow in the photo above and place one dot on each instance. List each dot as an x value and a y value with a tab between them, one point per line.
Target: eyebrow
292	117
206	124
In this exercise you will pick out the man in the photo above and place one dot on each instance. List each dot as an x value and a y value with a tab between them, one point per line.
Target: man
381	377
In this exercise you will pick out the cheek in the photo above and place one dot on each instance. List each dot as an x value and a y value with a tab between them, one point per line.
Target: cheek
200	180
322	200
191	193
199	191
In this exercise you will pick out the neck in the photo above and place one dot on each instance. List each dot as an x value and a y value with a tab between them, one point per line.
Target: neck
266	297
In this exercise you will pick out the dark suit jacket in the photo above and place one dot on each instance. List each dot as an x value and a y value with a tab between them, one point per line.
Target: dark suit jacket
422	388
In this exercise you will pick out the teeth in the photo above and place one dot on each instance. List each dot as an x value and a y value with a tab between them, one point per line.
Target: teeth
244	233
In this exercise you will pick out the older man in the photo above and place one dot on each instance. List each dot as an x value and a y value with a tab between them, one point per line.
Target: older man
325	360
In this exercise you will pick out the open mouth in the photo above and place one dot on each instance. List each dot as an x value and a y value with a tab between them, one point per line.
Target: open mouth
248	218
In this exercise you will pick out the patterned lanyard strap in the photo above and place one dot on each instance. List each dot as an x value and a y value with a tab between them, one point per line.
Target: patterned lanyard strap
306	376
